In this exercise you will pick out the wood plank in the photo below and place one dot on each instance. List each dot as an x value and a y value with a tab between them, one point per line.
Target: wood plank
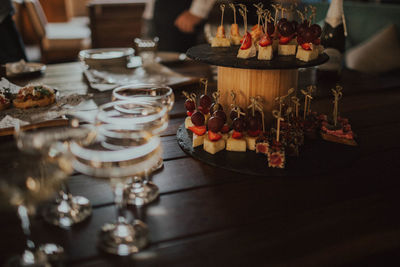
210	209
171	149
335	235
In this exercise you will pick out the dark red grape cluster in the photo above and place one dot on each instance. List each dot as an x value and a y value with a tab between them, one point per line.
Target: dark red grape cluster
308	34
286	28
205	104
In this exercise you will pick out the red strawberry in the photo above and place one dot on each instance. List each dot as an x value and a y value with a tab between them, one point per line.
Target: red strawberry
214	136
306	46
265	40
237	135
285	40
317	41
225	129
189	113
254	133
199	130
246	43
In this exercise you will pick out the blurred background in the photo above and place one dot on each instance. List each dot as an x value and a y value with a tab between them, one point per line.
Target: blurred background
55	31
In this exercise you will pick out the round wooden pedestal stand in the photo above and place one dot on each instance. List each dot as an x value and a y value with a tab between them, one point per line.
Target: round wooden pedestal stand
268	79
252	77
268	84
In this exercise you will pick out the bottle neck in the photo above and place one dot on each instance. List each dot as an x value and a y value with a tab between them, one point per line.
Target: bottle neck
335	12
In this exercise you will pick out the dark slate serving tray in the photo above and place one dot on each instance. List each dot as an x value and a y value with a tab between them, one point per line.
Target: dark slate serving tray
316	157
226	57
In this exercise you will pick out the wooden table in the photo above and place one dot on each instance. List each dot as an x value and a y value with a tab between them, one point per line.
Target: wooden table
207	216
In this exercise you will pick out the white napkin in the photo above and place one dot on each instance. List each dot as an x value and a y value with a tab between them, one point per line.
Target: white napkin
9	121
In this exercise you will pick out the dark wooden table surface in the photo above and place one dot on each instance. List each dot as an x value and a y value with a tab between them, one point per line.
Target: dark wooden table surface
207	216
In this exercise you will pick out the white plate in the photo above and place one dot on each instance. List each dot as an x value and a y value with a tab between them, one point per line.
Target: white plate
27	68
106	56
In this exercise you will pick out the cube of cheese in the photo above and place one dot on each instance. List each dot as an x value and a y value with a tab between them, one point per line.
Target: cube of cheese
247	53
307	55
320	49
220	42
251	142
287	49
235	39
265	53
213	147
238	145
198	140
188	122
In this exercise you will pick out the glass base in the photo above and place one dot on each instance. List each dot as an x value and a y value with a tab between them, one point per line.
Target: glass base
159	166
47	255
66	213
142	193
123	238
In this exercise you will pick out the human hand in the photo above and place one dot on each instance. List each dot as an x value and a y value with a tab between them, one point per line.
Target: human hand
186	21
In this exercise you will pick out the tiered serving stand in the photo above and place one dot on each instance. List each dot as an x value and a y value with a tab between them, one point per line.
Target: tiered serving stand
268	79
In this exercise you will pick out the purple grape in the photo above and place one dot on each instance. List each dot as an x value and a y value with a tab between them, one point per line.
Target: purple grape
215	124
198	118
239	124
189	105
212	108
270	28
220	114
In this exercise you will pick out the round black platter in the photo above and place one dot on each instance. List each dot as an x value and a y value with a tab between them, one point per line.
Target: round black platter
316	157
227	57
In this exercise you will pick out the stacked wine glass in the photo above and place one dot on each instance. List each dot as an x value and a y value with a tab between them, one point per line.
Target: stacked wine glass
126	150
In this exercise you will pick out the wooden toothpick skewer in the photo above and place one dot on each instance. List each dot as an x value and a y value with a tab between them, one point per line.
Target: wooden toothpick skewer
279	118
191	96
232	5
205	82
296	102
252	105
243	12
222	7
337	93
216	96
307	100
259	107
281	99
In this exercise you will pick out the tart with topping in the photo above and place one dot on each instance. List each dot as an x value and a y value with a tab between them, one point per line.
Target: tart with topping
34	96
4	100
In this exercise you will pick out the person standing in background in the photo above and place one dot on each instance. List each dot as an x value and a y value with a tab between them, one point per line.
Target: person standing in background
178	23
11	46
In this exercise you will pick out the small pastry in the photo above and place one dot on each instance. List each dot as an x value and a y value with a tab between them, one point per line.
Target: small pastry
213	141
236	141
308	38
247	49
220	39
190	106
198	128
34	96
4	100
235	36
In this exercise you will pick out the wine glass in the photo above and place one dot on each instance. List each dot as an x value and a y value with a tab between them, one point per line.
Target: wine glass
143	115
119	152
149	92
66	210
29	179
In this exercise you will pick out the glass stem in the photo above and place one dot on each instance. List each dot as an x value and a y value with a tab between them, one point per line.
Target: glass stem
146	177
25	223
120	201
